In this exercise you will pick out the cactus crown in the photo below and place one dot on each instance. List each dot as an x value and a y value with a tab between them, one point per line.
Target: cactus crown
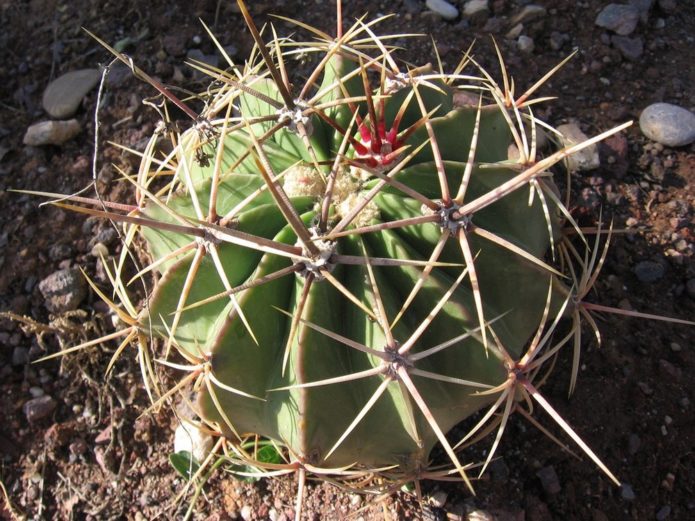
350	266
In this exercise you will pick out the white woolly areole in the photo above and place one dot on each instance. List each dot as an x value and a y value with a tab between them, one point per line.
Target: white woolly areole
302	180
191	439
347	194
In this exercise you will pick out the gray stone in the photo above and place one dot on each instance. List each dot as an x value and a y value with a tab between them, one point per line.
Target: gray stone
630	48
549	480
643	6
443	9
20	356
668	124
527	14
557	40
199	56
63	96
63	290
649	271
663	513
585	159
525	44
621	19
39	408
626	492
51	132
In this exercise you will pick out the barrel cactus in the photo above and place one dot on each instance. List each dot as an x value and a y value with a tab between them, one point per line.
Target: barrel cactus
351	266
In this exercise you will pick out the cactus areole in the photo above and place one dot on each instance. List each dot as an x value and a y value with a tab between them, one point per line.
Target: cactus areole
350	265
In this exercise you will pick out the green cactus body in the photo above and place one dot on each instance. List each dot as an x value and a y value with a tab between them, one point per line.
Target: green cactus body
245	339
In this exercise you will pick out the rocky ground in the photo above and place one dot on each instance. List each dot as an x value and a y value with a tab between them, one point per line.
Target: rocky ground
72	443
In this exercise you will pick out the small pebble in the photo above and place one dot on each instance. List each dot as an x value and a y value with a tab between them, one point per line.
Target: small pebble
63	290
63	96
476	11
191	439
626	492
51	132
630	48
557	40
514	32
36	392
20	356
585	159
528	13
619	18
438	499
663	513
644	387
649	271
633	444
643	7
525	44
39	408
99	250
443	9
668	124
668	482
549	480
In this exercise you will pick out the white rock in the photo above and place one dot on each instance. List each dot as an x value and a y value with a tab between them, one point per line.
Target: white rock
443	9
525	44
475	8
668	124
63	96
191	439
51	132
585	159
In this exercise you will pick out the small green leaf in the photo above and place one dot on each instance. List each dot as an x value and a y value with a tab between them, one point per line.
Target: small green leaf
184	463
268	454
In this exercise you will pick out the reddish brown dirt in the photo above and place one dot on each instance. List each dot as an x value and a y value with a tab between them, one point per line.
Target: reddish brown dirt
91	459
